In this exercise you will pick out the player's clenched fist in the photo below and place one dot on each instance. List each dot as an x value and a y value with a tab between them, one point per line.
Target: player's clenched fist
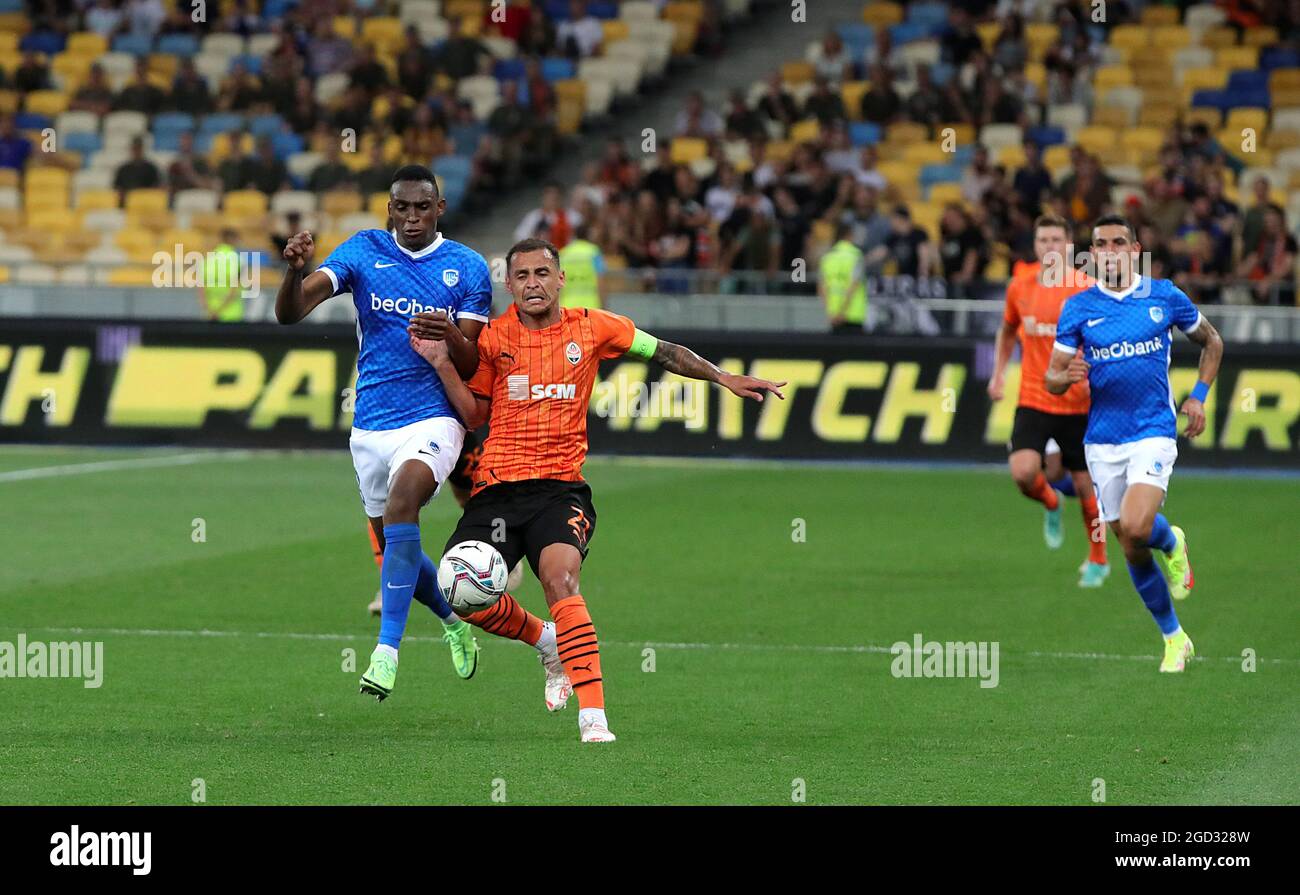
298	250
429	325
1195	411
1077	371
433	350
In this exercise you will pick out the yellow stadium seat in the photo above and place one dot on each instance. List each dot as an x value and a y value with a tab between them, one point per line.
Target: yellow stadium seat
90	200
988	34
1117	117
15	22
71	67
381	28
9	101
53	220
926	215
1170	36
1284	79
345	27
615	29
377	205
1212	78
131	275
945	192
145	201
1057	158
1222	36
135	240
47	180
685	150
87	43
929	153
1131	37
1165	116
47	102
1094	138
1285	97
190	240
244	203
779	151
1237	57
1245	116
1260	36
1205	115
1160	15
684	11
1279	140
162	70
1152	76
882	15
340	202
899	173
851	93
1036	74
807	131
1168	94
1010	156
1111	76
963	134
906	132
1142	139
222	149
1045	33
798	72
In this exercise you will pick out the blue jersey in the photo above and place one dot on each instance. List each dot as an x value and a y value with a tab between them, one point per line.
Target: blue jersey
1126	339
389	284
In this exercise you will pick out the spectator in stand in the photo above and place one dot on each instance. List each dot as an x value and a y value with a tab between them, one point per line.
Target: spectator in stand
539	40
1199	269
264	171
963	252
239	90
140	95
367	73
617	171
353	113
327	52
741	120
104	18
512	22
95	95
242	20
189	171
927	104
233	169
137	172
881	103
331	174
414	65
747	239
979	177
14	147
961	42
189	91
1086	191
1001	106
581	35
551	221
866	172
840	154
674	249
1270	262
509	128
541	95
696	120
304	114
144	18
824	104
793	224
1253	223
869	229
1010	52
777	105
31	75
908	247
377	176
832	59
720	198
1032	180
1164	208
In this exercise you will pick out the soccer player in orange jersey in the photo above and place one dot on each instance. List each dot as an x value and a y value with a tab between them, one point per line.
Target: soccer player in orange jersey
1034	300
537	365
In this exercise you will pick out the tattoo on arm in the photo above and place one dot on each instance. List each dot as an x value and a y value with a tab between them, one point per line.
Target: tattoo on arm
685	362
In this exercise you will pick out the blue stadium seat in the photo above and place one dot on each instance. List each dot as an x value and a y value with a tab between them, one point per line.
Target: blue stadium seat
603	10
1279	57
275	9
467	137
11	6
864	133
1214	99
221	122
1243	79
454	171
252	64
1045	136
202	142
30	121
178	44
84	142
557	10
908	32
167	122
1256	97
170	141
508	69
266	125
286	144
557	69
963	155
47	42
857	37
135	44
928	14
941	73
950	173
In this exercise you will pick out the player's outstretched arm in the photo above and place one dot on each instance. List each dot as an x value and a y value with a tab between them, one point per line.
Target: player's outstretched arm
685	362
1065	370
1211	344
298	295
472	409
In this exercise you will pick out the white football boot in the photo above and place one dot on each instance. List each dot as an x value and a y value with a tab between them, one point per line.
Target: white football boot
558	688
593	727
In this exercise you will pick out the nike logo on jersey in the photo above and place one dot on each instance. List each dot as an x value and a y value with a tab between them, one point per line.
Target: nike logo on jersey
380	266
1095	322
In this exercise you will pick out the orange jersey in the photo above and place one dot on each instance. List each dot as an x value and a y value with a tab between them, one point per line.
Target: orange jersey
1034	308
539	383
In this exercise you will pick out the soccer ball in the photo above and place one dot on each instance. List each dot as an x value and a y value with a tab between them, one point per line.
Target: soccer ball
472	576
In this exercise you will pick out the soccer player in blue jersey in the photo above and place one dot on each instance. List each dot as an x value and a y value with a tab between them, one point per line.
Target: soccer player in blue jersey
1117	334
406	435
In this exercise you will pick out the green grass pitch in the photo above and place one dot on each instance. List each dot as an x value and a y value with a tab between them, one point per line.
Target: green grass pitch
770	659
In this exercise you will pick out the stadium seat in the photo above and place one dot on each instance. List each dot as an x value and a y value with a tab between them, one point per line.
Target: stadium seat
1204	16
882	14
864	133
1117	117
1131	37
1244	117
1170	36
1193	57
1259	36
1217	37
244	203
1279	57
1212	78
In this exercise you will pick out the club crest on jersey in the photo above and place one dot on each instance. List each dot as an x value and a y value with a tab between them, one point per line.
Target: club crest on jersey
451	277
573	353
1157	314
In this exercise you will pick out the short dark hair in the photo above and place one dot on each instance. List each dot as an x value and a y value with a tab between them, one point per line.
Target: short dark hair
1116	220
417	173
532	244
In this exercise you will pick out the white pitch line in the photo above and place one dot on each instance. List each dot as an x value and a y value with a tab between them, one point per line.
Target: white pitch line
48	472
641	644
